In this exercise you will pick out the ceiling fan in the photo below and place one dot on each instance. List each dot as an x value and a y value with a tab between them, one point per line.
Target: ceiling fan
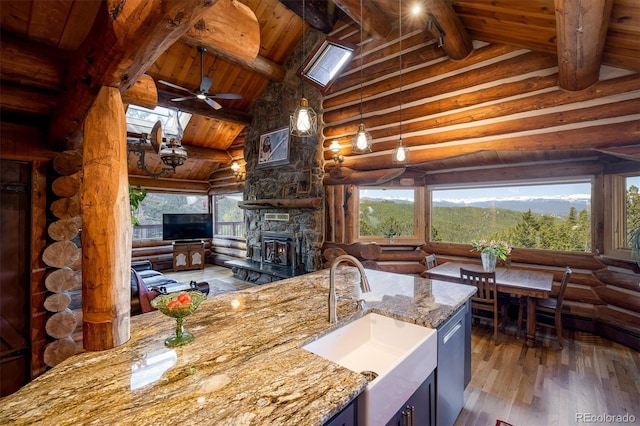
202	92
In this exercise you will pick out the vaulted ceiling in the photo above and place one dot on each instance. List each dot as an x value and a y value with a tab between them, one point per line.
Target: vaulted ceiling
54	54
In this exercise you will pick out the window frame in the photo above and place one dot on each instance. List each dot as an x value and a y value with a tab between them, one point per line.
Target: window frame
615	223
214	210
311	60
419	224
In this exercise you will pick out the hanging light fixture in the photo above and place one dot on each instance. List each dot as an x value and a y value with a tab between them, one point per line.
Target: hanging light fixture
173	154
400	154
304	121
361	141
169	148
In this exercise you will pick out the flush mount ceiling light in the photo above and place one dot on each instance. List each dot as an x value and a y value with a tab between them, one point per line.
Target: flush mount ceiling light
169	147
304	121
361	142
400	154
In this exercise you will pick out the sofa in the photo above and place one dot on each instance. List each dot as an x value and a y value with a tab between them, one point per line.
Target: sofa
146	284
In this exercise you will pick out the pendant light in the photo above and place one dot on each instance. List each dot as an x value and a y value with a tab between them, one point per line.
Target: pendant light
304	121
361	142
400	154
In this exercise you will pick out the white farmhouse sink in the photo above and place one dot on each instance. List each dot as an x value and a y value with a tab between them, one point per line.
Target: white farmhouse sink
402	355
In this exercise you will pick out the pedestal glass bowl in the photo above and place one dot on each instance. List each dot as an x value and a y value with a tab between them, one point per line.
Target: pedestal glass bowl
167	304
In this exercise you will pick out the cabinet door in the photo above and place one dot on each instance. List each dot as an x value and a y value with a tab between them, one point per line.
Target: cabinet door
451	368
419	408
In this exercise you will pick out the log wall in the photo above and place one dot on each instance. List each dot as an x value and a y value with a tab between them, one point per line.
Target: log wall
498	98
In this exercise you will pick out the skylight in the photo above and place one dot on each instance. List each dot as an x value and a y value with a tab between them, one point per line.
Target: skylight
141	120
326	62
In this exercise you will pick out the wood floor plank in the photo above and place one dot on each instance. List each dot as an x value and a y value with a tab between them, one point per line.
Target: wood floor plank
546	384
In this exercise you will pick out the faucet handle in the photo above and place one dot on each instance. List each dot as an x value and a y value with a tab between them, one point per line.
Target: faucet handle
361	305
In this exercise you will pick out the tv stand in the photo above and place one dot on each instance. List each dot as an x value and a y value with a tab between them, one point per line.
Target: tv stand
188	255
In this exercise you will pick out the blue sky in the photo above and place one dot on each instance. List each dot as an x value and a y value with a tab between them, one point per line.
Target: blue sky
522	191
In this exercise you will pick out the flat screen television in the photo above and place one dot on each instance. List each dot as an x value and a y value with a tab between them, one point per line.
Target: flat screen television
187	226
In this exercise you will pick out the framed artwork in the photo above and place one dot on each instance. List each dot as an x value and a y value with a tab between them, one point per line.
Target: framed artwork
274	148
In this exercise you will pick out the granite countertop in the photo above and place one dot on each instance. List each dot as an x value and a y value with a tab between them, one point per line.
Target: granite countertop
245	366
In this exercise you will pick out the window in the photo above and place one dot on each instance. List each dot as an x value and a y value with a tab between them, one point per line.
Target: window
632	207
326	62
141	120
552	216
389	213
155	204
624	217
229	218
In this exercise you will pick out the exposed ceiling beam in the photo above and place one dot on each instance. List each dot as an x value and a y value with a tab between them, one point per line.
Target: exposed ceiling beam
231	27
582	29
125	40
446	24
373	21
198	107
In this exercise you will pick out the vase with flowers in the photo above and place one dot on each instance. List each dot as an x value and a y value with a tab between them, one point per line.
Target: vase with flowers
490	251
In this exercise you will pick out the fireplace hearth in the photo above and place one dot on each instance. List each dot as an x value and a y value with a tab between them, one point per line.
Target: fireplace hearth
279	255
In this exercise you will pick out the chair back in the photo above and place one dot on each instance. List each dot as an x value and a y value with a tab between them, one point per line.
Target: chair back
430	261
563	287
485	282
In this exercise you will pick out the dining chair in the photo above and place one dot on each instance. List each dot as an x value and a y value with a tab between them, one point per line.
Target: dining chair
430	262
486	298
546	308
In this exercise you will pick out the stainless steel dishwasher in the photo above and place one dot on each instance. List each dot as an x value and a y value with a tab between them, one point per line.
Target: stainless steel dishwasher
450	372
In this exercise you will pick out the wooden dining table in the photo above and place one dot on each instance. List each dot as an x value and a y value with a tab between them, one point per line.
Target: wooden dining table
533	285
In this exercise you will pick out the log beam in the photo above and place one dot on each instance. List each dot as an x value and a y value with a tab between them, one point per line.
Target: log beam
582	30
126	39
142	93
229	27
372	20
446	24
106	230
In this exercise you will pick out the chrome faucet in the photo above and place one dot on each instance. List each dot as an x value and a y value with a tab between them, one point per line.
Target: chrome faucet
364	283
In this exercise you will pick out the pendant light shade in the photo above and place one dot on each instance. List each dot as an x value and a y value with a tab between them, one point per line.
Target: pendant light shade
361	141
304	121
400	154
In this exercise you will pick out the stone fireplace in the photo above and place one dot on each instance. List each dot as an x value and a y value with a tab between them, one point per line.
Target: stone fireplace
284	209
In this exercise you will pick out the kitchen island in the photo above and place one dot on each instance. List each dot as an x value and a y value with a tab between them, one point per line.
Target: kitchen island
245	367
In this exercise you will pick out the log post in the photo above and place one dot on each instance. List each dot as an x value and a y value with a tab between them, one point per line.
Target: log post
106	234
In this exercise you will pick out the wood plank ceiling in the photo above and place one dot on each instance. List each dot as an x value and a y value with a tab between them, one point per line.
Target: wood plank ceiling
515	53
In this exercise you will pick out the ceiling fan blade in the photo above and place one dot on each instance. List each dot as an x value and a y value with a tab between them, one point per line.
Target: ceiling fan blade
226	96
205	84
175	86
213	104
182	99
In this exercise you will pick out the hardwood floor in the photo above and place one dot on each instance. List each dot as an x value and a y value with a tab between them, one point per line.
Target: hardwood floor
544	385
209	274
549	385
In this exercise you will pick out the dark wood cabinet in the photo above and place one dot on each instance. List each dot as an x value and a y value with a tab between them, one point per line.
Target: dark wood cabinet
188	255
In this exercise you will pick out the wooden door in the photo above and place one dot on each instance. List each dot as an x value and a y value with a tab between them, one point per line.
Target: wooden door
14	275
